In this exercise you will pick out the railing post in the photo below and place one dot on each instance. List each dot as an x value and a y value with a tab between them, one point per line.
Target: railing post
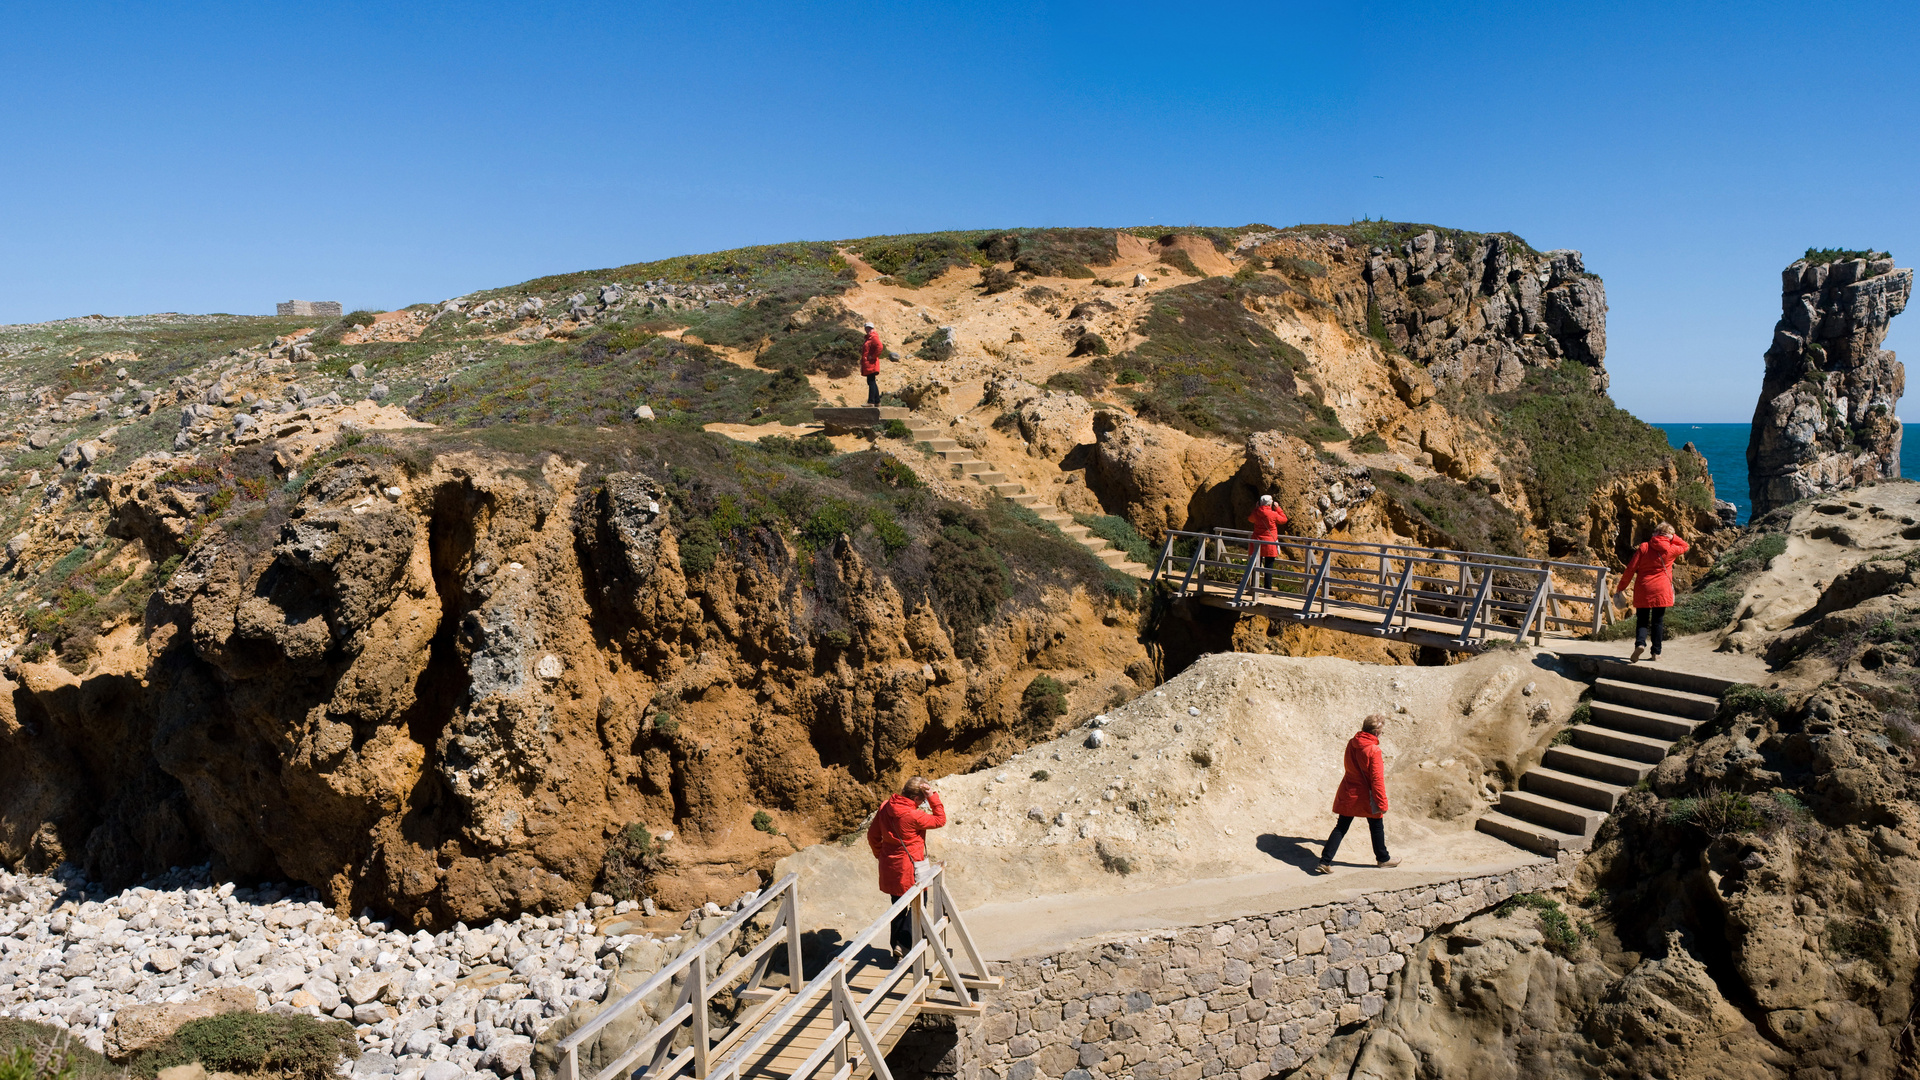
1246	579
1166	552
1193	565
1319	580
796	974
1600	597
697	979
1479	597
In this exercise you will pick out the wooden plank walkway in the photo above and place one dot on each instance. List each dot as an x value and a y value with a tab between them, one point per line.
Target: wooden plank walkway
1454	600
841	1023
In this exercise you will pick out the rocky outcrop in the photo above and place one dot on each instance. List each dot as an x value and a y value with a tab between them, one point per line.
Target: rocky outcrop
440	692
1826	418
1483	309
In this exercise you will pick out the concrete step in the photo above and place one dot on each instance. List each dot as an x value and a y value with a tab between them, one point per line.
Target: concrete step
1656	699
1008	489
1569	788
1654	725
1095	544
958	454
1051	516
939	443
1112	557
1526	834
1594	765
1619	743
1650	674
990	477
1028	500
1564	817
1075	531
971	468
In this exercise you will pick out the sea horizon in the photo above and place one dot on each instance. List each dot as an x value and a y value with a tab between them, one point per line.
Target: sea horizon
1725	448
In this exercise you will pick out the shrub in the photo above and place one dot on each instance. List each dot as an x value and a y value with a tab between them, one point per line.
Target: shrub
1112	859
1042	775
895	429
1561	935
1822	256
763	821
1576	438
837	639
1089	344
805	447
630	860
913	261
1718	813
1453	514
995	280
1042	701
1745	699
967	577
35	1051
247	1042
1370	443
358	318
938	347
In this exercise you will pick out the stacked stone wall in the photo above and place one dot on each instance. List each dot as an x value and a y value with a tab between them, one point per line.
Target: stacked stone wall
1251	997
326	309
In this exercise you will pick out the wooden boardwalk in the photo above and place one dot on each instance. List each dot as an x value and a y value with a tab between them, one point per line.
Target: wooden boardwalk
841	1023
1455	600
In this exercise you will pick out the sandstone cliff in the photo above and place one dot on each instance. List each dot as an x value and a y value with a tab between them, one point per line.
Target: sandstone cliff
1826	419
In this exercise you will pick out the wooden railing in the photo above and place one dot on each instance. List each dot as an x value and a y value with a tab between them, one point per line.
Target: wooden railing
861	1021
1467	595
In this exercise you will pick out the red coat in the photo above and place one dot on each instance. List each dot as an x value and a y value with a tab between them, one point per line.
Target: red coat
1651	571
870	354
1363	791
1266	521
898	837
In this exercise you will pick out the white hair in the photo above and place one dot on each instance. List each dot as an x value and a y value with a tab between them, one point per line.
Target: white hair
1266	500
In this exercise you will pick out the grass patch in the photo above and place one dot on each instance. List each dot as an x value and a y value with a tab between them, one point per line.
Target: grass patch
917	259
1043	700
1217	370
1823	256
247	1042
751	264
1575	439
1370	443
1454	515
1121	534
1068	253
763	821
1562	937
1861	939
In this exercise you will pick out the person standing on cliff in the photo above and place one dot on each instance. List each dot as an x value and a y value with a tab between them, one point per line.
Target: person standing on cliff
870	351
1362	793
1266	520
898	837
1651	573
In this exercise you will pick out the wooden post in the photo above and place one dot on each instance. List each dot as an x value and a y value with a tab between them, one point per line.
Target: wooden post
796	975
1166	552
697	984
1600	597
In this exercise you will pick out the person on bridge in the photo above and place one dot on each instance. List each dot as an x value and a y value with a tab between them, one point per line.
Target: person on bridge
1651	572
870	350
1362	793
898	837
1266	520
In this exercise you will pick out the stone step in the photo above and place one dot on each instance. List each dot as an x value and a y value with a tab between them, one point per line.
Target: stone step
1654	674
1654	725
990	476
970	468
1526	834
1564	817
1052	516
1028	500
1656	698
1593	765
1619	743
1095	544
1075	531
938	443
1568	788
1008	489
1113	557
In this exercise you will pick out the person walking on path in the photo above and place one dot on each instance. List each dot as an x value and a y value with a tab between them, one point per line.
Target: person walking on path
870	350
1266	520
898	837
1651	572
1362	793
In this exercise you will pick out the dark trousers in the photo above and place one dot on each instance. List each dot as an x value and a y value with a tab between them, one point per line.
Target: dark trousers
901	934
873	390
1376	826
1642	617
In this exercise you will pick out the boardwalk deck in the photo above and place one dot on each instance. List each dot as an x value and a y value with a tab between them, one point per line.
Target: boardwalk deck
1456	600
841	1023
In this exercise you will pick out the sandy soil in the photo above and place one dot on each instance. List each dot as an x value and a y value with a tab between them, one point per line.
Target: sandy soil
1216	790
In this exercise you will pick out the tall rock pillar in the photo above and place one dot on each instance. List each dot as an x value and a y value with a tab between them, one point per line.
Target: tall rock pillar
1826	419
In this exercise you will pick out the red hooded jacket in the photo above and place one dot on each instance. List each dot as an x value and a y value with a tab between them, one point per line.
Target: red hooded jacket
870	354
1363	791
898	837
1266	521
1651	571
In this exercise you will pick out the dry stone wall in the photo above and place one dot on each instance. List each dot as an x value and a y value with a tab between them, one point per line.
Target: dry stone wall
1251	997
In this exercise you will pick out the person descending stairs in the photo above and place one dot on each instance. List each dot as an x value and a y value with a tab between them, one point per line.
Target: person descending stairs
966	464
1638	712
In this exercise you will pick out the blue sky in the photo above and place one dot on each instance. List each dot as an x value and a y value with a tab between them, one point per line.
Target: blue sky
205	157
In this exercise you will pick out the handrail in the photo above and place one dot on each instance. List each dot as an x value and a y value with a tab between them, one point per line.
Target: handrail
1485	592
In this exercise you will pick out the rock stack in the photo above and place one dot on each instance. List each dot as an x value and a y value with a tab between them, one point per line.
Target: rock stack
1826	419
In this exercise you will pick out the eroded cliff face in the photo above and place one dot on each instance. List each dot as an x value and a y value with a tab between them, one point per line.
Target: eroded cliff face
441	689
1826	416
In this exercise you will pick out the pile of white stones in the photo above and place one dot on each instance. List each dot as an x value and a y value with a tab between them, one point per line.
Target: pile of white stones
425	1006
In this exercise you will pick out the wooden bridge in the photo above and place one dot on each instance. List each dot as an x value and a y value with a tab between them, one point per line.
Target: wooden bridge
841	1023
1453	600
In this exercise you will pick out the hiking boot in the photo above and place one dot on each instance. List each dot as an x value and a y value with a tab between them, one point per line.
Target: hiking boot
1384	863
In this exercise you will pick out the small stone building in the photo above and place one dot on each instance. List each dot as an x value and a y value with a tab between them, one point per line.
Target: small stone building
329	309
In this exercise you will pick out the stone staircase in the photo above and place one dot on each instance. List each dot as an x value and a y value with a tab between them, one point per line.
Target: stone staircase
1638	712
968	465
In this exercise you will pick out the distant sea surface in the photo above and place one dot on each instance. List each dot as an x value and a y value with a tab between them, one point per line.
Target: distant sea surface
1725	446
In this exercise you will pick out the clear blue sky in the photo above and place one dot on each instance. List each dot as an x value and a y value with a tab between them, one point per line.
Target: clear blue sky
203	157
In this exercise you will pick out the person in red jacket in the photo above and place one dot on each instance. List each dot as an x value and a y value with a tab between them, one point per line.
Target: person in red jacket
898	837
870	350
1362	793
1651	573
1266	520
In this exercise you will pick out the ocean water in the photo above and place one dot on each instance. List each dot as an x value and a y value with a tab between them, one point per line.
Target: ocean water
1725	447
